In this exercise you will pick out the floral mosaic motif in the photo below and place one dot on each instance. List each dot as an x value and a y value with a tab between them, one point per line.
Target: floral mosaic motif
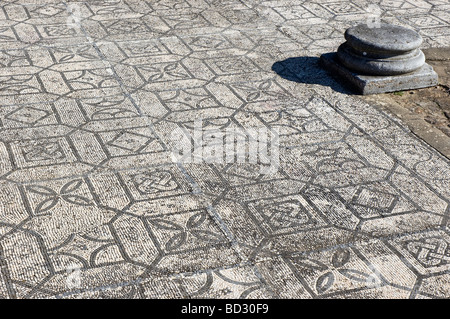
67	193
327	274
198	227
184	21
19	84
142	49
71	54
261	91
343	8
59	30
10	58
43	151
188	99
240	64
125	26
111	107
164	71
240	283
91	79
130	141
208	42
47	11
28	115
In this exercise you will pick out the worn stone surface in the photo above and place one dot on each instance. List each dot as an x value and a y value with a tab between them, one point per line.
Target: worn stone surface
93	206
385	39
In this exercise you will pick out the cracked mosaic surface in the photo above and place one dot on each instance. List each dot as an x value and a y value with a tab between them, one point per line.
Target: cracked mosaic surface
90	92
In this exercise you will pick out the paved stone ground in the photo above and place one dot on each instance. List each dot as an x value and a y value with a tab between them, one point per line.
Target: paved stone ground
92	204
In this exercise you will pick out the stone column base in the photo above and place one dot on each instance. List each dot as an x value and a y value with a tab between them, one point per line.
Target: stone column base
368	84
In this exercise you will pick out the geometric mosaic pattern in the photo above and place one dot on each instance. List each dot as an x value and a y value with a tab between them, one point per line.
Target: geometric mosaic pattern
90	93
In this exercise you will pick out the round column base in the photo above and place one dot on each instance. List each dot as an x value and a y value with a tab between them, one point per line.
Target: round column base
395	65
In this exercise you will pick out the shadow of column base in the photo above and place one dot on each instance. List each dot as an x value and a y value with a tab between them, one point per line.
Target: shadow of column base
308	70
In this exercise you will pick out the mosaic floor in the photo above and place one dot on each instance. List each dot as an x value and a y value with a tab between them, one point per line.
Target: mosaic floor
92	204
